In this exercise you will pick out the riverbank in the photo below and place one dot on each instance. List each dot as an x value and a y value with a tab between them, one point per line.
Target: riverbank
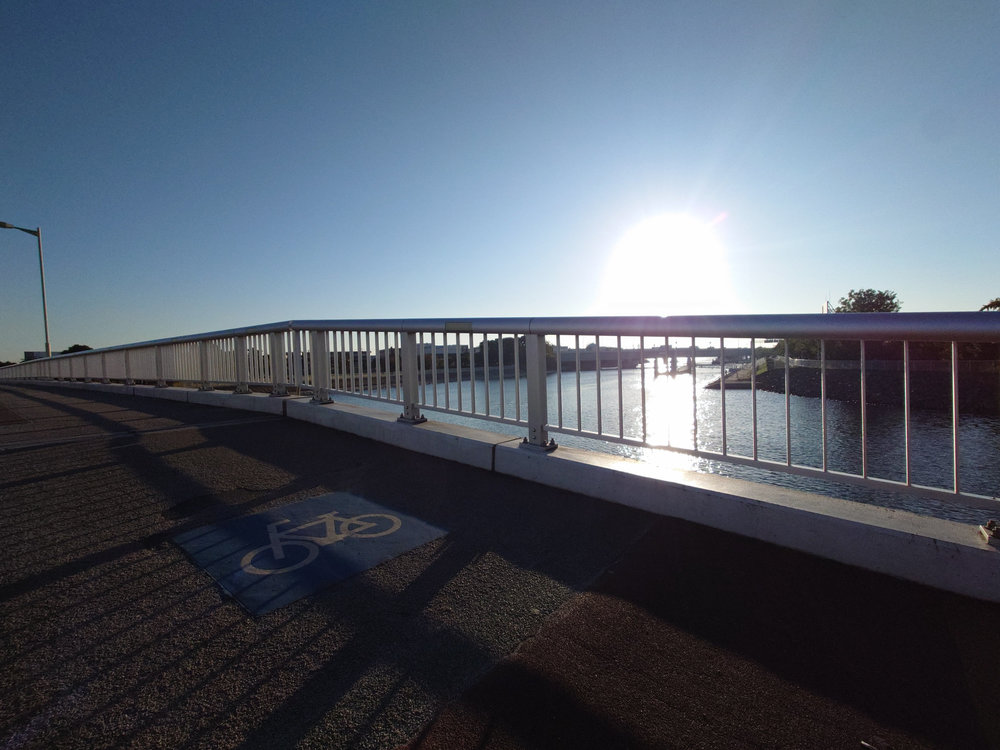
979	391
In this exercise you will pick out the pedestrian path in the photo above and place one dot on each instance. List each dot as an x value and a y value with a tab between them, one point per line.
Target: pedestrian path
540	619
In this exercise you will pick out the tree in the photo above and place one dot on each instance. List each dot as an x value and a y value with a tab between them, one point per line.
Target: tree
857	300
868	300
76	348
993	304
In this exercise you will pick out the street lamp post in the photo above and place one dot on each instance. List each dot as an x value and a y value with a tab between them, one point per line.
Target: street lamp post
41	268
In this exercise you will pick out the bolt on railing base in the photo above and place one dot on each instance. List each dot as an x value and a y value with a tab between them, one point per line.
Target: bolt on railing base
321	396
547	448
241	389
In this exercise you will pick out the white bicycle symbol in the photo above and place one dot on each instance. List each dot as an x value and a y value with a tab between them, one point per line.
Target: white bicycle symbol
271	558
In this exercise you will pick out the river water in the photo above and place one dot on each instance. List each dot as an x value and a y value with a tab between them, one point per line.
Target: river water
671	404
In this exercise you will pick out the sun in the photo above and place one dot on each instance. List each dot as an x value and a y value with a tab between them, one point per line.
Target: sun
670	264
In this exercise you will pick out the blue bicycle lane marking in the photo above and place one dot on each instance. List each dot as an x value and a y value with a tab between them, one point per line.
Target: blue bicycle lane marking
260	560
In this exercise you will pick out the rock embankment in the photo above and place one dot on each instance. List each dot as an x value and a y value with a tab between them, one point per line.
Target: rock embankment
979	392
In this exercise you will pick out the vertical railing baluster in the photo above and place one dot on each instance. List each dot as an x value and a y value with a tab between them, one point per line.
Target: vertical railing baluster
422	362
434	366
353	372
621	397
399	371
864	412
597	375
390	362
954	417
753	397
458	368
365	363
503	376
693	369
559	396
486	371
517	378
824	447
906	411
579	398
722	391
642	385
447	372
788	407
472	376
338	363
358	351
376	356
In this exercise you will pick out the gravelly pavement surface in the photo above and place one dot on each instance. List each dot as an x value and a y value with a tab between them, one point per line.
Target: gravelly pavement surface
542	619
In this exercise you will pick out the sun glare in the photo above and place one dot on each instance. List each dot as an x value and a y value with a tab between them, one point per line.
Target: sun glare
671	264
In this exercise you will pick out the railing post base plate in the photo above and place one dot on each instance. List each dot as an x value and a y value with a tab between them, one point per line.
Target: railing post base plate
547	448
411	420
321	396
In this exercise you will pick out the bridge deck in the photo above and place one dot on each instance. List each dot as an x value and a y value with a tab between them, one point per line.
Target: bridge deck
542	618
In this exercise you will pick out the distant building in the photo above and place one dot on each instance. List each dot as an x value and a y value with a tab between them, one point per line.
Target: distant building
28	356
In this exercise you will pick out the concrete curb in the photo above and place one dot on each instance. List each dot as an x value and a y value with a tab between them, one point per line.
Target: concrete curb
465	445
934	552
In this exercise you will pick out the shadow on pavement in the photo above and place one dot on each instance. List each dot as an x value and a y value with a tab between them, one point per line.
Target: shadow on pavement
703	639
112	635
682	636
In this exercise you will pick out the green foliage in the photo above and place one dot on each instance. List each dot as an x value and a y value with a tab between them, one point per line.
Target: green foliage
868	300
993	304
76	348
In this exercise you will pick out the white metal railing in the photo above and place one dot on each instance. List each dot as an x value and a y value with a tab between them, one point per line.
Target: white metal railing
599	379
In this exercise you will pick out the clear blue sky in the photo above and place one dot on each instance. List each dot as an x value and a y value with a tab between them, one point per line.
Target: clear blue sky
204	165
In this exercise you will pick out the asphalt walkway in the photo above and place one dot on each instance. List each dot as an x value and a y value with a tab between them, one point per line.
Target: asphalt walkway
541	619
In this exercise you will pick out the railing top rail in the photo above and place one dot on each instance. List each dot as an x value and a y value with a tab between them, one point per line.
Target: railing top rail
918	326
948	326
952	326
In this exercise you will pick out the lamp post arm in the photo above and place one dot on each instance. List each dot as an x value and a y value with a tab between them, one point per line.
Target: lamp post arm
36	232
